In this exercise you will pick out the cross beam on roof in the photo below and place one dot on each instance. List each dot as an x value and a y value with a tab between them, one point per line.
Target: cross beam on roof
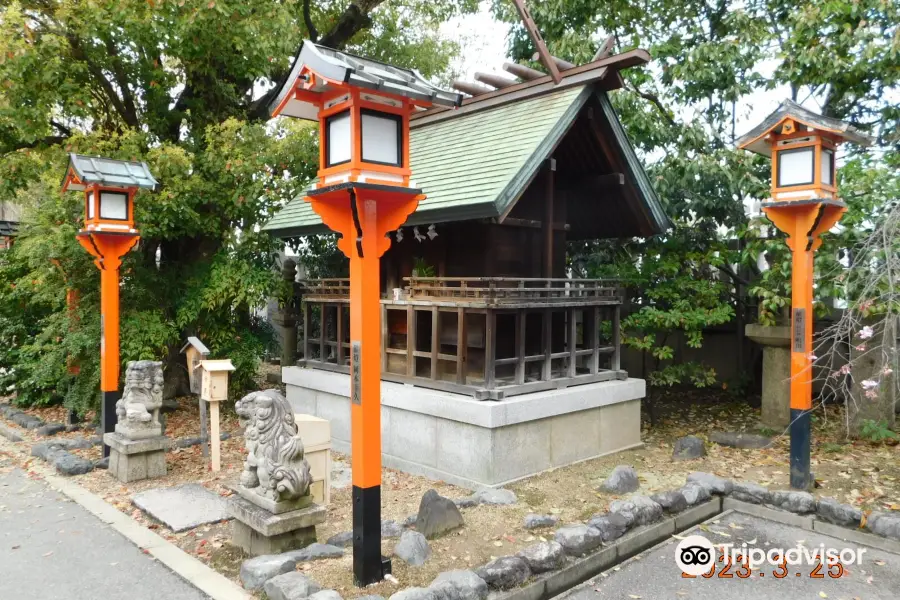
473	89
532	30
605	49
495	80
561	64
523	72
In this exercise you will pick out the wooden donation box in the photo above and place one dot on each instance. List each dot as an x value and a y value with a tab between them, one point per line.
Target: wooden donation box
214	389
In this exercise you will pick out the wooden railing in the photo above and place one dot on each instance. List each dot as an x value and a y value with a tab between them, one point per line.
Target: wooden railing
509	289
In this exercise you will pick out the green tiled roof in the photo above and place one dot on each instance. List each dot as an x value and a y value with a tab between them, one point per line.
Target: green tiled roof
471	166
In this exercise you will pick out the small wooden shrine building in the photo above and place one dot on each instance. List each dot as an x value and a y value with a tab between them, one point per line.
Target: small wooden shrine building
9	223
476	303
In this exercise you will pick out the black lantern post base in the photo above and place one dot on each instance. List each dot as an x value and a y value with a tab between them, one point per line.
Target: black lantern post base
801	439
369	566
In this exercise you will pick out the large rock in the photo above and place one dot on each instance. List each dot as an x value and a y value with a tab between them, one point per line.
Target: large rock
341	540
255	572
50	429
25	420
623	480
672	501
414	593
437	515
69	464
884	525
750	492
543	556
459	585
391	529
694	493
495	496
505	572
795	502
689	447
315	551
578	540
290	586
611	526
637	510
533	521
744	441
713	483
840	514
413	548
9	433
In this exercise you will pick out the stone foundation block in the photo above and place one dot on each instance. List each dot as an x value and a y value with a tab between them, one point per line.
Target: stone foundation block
258	531
134	460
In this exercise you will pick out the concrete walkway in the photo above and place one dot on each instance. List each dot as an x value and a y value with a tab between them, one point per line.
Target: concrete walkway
53	549
655	576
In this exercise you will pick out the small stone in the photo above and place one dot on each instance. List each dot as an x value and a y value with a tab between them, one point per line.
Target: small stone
884	525
413	548
326	595
102	463
188	442
9	433
414	593
623	480
391	529
293	585
689	447
534	521
505	572
8	410
342	540
578	540
611	526
672	501
496	496
795	502
255	572
26	421
69	464
750	492
694	493
637	510
712	483
50	429
744	441
410	521
459	585
467	502
370	597
315	551
437	515
543	557
840	514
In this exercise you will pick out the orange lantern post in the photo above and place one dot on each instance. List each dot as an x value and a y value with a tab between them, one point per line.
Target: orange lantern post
804	205
363	192
109	187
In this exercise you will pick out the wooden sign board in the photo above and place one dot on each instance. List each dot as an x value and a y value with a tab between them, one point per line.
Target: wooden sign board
195	351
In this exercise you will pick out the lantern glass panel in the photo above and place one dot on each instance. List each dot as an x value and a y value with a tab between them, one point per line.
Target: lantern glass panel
91	206
381	141
826	166
795	167
114	205
337	139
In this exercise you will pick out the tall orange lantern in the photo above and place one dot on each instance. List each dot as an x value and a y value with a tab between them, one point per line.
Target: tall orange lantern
364	190
109	233
804	204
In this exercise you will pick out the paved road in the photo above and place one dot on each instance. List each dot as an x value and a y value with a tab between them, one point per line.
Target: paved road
53	549
655	576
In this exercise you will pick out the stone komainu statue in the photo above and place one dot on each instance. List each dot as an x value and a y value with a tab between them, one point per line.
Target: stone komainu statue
143	393
275	466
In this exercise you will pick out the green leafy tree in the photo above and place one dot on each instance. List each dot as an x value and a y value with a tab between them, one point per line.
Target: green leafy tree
184	85
711	60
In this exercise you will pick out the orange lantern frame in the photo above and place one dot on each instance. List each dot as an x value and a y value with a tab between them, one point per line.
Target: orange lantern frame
362	200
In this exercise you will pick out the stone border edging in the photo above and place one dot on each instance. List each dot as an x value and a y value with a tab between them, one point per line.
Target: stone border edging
194	572
625	547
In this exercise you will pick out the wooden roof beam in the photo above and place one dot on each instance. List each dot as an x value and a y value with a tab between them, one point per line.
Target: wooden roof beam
495	80
471	88
605	49
523	72
562	65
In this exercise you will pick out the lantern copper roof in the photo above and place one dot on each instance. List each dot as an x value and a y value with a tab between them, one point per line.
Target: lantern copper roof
755	141
342	67
84	170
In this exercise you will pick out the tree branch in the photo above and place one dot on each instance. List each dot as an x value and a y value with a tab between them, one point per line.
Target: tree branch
656	101
79	54
310	26
122	82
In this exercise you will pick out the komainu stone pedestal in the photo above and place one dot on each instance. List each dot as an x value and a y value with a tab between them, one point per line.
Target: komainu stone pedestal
133	460
258	531
776	373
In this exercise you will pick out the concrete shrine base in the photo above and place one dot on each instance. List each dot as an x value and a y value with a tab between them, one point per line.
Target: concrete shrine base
134	460
475	443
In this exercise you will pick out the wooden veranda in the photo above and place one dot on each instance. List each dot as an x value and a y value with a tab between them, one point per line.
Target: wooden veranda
487	337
